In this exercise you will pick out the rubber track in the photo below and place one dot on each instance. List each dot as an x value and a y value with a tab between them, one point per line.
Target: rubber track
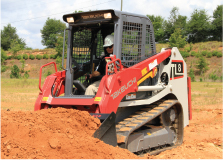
138	119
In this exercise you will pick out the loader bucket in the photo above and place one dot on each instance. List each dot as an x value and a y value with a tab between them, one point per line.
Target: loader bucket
107	131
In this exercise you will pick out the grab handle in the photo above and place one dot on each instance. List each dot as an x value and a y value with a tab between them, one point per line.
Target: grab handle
40	73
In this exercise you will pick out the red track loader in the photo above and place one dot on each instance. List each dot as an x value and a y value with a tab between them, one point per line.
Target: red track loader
143	100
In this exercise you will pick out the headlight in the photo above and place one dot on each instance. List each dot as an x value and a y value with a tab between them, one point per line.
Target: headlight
70	19
107	15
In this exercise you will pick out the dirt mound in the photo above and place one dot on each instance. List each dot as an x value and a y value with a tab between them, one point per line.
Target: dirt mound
54	134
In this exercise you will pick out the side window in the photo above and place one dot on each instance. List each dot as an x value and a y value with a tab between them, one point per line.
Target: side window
81	51
81	46
100	49
149	46
131	43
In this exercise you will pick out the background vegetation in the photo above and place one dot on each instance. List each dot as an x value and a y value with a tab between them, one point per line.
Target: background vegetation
199	27
198	36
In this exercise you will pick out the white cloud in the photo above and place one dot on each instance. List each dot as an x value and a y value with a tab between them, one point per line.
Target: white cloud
23	32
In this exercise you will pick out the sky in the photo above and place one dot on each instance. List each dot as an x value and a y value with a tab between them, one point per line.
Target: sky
29	16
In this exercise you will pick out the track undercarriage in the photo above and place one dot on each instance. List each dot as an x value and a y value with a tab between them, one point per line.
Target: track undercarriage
139	134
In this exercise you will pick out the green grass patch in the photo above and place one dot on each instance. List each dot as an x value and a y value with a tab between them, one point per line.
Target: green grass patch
206	93
19	94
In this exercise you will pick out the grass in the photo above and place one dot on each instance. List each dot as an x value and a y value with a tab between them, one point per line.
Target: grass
198	47
43	51
206	93
21	94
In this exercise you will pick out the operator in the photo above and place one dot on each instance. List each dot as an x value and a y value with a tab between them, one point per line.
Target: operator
100	70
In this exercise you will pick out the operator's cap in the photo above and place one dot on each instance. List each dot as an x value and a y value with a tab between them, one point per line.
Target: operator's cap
109	40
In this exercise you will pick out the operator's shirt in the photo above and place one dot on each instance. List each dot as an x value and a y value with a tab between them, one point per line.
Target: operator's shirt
102	65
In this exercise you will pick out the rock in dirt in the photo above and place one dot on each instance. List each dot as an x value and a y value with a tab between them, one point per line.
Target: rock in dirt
54	143
54	134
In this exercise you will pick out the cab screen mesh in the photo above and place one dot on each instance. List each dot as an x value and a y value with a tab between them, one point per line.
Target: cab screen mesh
131	43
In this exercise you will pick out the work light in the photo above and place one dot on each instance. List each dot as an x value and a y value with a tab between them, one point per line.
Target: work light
107	15
70	19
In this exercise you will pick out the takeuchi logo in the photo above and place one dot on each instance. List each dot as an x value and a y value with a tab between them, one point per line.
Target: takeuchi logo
123	88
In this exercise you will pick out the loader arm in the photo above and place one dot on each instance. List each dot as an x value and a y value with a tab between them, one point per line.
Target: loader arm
114	87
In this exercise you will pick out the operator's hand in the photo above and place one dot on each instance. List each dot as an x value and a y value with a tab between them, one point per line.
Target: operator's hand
88	76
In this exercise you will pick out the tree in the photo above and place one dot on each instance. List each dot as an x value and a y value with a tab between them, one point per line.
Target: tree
202	65
8	36
217	23
16	46
52	29
157	22
198	26
79	11
176	39
15	72
3	56
175	21
59	46
191	75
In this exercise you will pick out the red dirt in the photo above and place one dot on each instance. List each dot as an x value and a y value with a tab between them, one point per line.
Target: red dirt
54	134
67	134
202	138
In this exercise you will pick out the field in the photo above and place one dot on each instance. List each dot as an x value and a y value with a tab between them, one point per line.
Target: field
19	94
202	138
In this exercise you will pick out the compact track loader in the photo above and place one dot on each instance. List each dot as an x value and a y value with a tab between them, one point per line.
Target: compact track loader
143	100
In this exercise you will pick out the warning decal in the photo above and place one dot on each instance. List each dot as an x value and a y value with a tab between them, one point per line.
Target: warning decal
45	98
97	99
153	64
177	69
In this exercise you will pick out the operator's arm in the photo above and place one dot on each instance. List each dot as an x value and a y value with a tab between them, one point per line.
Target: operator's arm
95	74
100	70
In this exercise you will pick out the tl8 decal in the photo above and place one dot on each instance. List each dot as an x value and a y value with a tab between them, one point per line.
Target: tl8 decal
177	69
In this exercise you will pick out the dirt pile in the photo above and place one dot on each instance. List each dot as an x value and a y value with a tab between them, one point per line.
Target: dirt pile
67	134
54	134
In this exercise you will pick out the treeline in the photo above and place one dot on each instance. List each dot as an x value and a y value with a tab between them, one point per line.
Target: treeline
199	27
176	31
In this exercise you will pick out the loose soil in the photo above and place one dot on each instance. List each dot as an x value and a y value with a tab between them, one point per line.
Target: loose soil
67	134
54	134
202	138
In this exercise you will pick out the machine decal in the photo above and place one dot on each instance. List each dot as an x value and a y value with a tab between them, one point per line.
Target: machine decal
144	71
131	96
93	16
150	74
153	64
45	98
96	116
149	133
177	69
123	88
97	99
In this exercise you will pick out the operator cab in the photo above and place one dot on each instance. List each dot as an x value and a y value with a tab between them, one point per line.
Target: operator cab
86	34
